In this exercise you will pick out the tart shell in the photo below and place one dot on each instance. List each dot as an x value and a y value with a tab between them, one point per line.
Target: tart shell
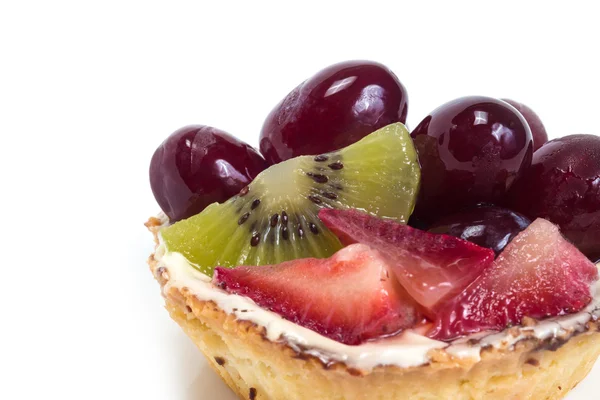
256	368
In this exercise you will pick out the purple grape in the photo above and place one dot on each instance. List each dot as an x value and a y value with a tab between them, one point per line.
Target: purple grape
491	227
333	109
563	186
471	151
198	165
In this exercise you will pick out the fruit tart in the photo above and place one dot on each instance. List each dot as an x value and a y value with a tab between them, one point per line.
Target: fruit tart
363	261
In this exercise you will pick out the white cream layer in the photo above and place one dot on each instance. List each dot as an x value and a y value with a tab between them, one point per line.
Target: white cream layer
409	349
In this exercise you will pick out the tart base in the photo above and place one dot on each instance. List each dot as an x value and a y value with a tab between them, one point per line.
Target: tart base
256	368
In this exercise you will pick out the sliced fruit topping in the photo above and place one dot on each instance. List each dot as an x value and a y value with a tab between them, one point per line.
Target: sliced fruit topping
538	275
471	150
199	165
491	227
430	267
338	106
351	297
274	219
563	186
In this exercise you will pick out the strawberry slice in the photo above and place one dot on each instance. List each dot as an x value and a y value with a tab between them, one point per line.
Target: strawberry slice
350	297
431	267
539	274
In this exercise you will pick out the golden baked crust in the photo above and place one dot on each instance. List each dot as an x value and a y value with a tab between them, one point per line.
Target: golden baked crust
256	368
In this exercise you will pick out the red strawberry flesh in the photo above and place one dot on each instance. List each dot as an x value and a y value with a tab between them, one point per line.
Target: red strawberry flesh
431	267
539	274
350	297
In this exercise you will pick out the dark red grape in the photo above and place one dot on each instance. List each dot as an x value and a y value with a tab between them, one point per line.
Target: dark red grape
491	227
563	186
199	165
538	131
335	108
471	150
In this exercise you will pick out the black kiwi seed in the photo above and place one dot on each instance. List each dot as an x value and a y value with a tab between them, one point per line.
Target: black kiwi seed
255	239
274	219
300	231
321	158
284	218
313	228
314	199
284	233
319	178
336	165
336	186
329	195
255	204
243	218
244	191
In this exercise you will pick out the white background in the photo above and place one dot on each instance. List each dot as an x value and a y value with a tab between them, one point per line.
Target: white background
89	89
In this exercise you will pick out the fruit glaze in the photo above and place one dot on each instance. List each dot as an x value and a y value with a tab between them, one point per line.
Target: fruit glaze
408	349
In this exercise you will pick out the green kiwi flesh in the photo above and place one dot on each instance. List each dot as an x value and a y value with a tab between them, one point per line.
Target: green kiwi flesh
275	218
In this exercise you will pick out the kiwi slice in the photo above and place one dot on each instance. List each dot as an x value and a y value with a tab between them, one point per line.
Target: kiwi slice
275	218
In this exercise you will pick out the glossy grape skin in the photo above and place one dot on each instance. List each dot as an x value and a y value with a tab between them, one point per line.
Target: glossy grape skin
471	151
538	131
333	109
491	227
563	186
198	165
